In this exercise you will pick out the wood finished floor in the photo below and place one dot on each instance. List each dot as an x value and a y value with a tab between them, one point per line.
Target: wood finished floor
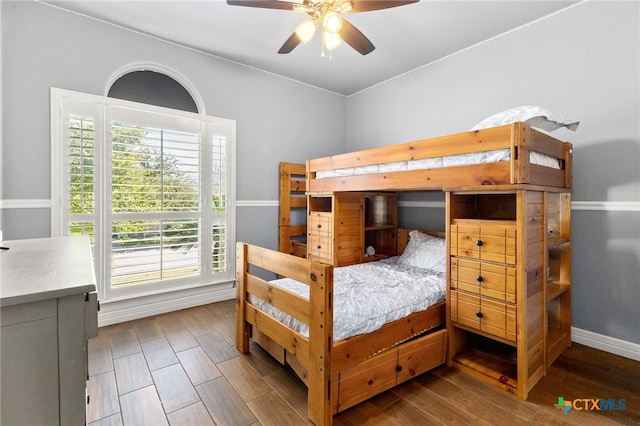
182	368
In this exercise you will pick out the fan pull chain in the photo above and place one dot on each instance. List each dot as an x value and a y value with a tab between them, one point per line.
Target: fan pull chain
322	55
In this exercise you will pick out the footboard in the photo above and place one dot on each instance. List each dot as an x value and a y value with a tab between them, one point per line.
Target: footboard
315	351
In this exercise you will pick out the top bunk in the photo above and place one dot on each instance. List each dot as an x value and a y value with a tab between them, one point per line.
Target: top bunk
513	154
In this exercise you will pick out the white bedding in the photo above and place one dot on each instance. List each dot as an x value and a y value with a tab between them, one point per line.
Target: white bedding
367	296
493	156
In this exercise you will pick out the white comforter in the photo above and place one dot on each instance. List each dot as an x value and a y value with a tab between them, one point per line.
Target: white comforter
367	296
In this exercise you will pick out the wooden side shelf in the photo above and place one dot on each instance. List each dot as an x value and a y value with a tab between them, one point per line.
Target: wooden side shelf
556	289
509	292
342	225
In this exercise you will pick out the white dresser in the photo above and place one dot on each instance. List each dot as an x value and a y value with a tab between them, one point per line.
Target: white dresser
48	309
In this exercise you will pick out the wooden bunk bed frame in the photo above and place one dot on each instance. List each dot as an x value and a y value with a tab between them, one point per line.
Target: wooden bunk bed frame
519	138
341	374
347	367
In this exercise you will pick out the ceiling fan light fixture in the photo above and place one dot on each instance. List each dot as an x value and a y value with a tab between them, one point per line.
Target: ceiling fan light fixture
332	22
301	8
345	7
331	40
306	30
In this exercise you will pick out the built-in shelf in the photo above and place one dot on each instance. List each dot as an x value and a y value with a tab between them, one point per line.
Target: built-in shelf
505	340
558	243
555	289
376	227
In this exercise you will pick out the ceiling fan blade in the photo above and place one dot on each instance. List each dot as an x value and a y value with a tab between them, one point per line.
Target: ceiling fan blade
292	42
265	4
368	5
354	38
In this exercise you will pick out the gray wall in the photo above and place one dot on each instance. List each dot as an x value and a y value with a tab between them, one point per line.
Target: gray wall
44	47
583	62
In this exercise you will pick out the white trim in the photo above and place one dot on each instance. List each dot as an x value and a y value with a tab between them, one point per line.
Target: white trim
618	206
606	343
142	307
621	206
25	204
257	203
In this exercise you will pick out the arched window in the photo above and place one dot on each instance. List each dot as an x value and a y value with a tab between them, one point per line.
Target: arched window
154	88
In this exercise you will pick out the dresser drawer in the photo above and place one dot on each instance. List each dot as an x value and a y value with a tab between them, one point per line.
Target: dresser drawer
496	243
490	316
484	279
319	224
320	248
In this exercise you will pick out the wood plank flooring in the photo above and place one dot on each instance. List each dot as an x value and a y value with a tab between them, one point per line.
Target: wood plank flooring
182	368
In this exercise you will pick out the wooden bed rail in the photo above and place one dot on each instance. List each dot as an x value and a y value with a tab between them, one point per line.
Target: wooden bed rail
520	138
317	312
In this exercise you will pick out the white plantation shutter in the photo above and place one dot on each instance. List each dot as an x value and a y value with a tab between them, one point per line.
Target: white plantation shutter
151	186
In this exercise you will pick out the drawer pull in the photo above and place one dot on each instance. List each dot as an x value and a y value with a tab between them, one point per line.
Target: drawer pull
318	246
479	314
398	368
479	278
479	243
319	226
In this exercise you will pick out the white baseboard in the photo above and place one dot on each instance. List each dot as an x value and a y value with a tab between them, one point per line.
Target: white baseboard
128	310
606	343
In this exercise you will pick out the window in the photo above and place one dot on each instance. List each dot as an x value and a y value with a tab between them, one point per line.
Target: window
152	187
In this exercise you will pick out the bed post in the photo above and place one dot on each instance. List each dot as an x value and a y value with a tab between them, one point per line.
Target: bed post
242	328
568	164
520	147
307	184
320	343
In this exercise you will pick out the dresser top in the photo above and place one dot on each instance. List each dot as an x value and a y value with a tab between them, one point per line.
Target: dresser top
45	268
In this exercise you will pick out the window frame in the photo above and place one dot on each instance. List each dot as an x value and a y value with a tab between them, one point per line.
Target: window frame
104	109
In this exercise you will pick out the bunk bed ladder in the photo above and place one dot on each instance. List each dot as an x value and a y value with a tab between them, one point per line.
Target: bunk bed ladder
292	237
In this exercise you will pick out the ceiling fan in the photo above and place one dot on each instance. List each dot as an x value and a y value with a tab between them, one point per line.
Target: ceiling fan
326	14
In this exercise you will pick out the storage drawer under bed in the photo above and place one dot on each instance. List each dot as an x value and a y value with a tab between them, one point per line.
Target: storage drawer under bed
390	368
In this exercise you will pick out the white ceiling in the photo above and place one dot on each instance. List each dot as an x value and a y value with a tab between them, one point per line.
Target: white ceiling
405	37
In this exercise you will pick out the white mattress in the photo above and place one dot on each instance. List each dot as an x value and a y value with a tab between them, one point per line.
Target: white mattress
493	156
367	296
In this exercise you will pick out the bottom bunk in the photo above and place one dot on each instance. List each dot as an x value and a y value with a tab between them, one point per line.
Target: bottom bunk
297	328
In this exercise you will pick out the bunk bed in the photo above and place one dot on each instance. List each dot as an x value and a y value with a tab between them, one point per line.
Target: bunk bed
517	166
504	155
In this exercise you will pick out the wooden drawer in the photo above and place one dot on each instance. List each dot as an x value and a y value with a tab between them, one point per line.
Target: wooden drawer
390	368
320	248
367	379
490	316
421	355
299	249
319	224
485	279
484	241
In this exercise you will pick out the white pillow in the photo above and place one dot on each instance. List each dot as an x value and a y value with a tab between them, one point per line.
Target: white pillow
533	115
424	251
